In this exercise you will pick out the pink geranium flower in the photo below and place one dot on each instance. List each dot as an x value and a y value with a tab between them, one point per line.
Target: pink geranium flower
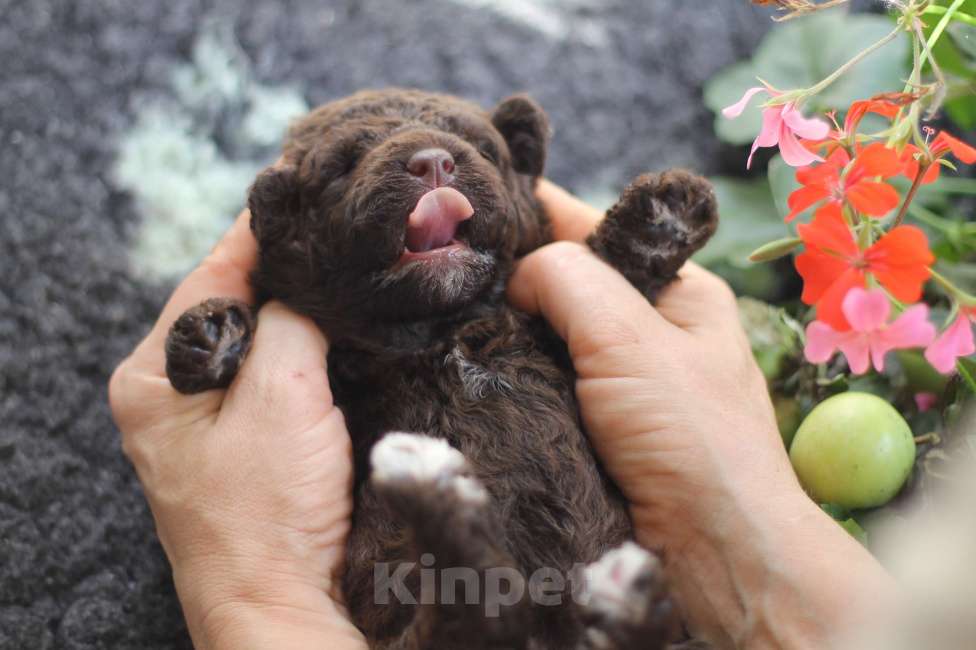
956	341
871	336
782	125
925	401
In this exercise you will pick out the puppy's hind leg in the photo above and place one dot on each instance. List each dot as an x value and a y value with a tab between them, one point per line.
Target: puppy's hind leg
428	485
625	605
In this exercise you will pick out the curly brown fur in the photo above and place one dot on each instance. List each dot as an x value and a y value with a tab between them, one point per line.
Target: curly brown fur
431	347
659	221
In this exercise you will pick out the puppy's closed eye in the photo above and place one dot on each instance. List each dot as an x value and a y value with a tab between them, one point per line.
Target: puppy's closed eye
330	162
489	151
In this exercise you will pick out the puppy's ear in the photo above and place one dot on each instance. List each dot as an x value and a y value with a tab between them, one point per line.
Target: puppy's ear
274	204
525	127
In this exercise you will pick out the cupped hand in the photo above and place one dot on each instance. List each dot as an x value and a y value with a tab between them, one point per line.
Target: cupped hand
671	396
680	415
250	487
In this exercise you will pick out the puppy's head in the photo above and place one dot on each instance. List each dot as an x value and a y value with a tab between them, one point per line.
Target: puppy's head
393	208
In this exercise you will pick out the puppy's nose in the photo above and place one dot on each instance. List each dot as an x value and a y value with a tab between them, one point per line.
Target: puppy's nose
434	166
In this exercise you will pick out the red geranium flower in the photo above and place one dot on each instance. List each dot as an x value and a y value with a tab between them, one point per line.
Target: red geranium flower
943	145
833	263
828	181
886	105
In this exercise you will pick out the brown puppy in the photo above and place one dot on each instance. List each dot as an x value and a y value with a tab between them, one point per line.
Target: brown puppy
393	222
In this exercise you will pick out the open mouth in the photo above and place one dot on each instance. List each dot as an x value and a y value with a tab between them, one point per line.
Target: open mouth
433	224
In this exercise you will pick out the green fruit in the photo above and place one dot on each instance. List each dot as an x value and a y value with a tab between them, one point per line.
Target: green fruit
854	450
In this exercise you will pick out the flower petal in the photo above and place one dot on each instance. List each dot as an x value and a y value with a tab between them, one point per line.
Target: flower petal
769	133
857	349
956	341
910	166
736	109
910	330
822	342
873	198
830	307
860	108
876	160
900	261
866	311
827	173
810	128
959	149
828	231
794	153
803	198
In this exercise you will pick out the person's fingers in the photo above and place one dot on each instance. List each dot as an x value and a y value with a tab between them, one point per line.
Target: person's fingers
139	392
572	219
284	376
589	304
698	301
223	274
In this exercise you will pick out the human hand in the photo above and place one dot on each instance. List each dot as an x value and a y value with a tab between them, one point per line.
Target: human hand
250	487
680	415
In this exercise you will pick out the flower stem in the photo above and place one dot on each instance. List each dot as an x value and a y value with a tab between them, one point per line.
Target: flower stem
939	28
833	76
960	16
952	289
967	377
940	83
917	183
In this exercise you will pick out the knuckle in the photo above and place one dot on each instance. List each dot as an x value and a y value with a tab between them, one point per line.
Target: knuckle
607	334
720	289
119	398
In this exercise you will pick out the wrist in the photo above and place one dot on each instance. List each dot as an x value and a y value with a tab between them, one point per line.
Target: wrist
249	626
773	574
261	608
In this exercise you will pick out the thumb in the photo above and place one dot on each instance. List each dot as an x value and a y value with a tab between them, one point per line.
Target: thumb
589	304
284	377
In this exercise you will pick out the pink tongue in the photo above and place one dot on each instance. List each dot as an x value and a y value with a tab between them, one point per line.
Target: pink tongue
434	221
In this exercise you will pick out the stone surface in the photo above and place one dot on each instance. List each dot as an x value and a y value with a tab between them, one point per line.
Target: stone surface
79	563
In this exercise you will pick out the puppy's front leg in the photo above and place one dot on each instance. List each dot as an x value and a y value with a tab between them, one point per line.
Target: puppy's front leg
658	223
207	344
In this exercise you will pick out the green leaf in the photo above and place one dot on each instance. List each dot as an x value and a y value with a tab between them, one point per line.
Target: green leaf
855	530
747	218
962	111
964	37
951	50
848	523
920	376
967	370
836	512
726	88
782	183
798	54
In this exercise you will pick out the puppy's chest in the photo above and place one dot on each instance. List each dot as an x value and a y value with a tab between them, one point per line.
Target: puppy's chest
505	389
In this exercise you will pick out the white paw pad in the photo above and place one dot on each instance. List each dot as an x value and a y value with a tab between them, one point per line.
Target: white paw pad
617	585
412	457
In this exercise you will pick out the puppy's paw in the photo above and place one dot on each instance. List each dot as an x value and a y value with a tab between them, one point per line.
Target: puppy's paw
207	344
411	460
688	202
625	600
658	223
